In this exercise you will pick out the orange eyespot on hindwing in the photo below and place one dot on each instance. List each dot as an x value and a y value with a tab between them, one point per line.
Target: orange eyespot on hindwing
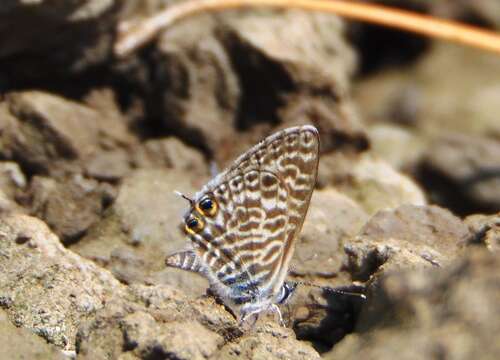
207	206
194	225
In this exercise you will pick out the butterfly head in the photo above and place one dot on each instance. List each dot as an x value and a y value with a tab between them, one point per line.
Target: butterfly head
199	213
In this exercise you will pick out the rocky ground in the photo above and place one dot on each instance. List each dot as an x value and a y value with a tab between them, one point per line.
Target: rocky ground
406	210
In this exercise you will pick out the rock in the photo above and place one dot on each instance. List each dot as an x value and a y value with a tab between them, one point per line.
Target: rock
296	63
20	343
109	165
407	237
7	205
331	219
140	319
67	135
339	126
86	40
44	132
196	89
449	312
12	178
397	145
46	288
321	314
485	230
328	247
142	227
462	172
267	342
485	11
12	181
370	181
183	340
304	59
467	103
69	207
153	322
227	58
290	53
171	153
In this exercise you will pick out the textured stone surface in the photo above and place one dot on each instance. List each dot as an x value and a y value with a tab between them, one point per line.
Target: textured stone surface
20	343
157	321
331	220
463	98
171	153
485	230
45	287
141	228
49	51
409	236
466	171
45	133
69	207
397	145
12	183
267	342
370	181
212	79
450	313
12	178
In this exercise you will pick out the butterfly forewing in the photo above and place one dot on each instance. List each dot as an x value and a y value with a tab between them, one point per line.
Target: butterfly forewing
245	249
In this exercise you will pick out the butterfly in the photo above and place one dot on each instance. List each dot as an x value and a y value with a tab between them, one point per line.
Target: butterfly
244	223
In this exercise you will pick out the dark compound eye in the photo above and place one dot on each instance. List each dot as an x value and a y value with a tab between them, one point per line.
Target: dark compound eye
207	207
206	204
194	225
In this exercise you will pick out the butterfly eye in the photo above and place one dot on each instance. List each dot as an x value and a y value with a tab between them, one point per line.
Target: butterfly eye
207	207
194	225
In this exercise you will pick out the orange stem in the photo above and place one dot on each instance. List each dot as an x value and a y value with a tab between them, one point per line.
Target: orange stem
140	33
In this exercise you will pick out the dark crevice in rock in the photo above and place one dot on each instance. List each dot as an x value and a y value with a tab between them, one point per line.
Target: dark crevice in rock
369	266
264	85
342	312
131	81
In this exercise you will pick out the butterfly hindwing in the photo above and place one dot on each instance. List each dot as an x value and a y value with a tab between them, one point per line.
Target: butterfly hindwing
254	206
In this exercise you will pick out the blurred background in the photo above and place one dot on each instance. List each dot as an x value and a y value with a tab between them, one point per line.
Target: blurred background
219	82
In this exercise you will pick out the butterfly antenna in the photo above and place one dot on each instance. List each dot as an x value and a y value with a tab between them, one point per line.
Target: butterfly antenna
333	290
214	169
191	201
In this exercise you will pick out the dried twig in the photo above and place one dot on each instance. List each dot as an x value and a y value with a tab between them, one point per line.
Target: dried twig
134	35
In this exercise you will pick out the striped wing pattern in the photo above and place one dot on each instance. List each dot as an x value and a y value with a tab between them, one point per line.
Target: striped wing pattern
245	248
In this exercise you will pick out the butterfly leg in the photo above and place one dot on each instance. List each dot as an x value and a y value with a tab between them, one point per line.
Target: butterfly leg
245	319
276	310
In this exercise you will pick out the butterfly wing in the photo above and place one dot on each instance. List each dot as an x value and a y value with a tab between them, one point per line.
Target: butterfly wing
262	201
